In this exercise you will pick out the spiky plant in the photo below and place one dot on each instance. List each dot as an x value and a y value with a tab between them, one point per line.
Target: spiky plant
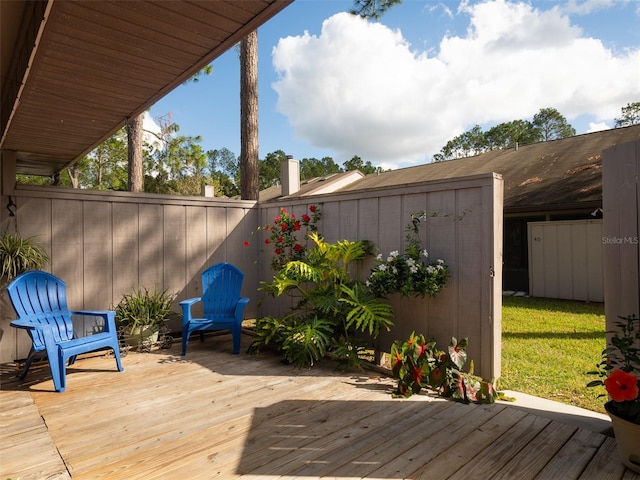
18	255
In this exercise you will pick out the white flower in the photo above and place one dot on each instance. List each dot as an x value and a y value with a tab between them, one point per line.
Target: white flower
395	253
379	257
430	270
367	283
413	269
411	262
382	267
425	254
440	261
394	270
440	267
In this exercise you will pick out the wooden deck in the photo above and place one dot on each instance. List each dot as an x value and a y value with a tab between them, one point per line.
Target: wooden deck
216	415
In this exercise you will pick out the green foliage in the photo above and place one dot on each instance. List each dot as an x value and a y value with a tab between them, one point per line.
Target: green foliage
409	274
547	124
269	169
330	308
144	307
630	115
418	364
18	255
356	163
372	8
312	168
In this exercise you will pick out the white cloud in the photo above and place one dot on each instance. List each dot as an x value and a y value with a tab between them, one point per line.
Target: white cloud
360	89
597	127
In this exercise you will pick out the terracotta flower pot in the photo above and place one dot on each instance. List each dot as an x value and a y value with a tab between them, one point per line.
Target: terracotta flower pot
628	440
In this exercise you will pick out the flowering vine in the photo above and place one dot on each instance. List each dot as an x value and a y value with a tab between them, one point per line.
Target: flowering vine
411	273
288	235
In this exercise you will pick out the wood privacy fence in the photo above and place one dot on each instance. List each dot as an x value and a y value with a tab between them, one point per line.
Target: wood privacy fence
105	244
621	231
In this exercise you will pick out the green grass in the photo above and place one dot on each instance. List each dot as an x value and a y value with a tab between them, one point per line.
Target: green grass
548	346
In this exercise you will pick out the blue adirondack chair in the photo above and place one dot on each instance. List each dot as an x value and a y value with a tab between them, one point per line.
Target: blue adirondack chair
223	306
40	300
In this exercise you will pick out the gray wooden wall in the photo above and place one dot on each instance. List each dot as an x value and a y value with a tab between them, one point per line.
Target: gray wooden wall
621	231
467	234
104	244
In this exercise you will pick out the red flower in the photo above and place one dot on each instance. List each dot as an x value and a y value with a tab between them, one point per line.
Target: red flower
267	241
297	247
284	227
277	219
246	244
280	239
296	226
622	386
312	208
283	210
306	218
278	251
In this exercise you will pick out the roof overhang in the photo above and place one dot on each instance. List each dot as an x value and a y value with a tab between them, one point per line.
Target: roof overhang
73	72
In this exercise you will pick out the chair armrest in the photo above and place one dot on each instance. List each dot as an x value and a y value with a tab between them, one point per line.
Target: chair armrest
108	316
242	302
186	308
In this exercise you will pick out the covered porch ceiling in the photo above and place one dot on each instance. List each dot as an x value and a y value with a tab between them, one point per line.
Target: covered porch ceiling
73	72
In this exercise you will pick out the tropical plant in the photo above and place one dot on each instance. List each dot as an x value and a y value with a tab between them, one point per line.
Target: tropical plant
331	309
620	370
17	255
417	364
410	274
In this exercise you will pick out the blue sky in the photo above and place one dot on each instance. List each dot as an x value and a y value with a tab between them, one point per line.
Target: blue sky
395	91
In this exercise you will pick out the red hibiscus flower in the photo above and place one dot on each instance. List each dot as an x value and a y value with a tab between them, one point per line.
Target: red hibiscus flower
280	239
312	208
277	251
267	241
306	218
622	386
277	219
297	247
284	227
296	226
246	244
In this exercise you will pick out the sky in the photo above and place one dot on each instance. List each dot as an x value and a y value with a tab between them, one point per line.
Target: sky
395	90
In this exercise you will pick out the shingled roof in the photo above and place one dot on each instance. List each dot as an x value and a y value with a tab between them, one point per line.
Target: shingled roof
557	173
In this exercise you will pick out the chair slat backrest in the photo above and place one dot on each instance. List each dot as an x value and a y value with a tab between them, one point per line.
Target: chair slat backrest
40	297
221	285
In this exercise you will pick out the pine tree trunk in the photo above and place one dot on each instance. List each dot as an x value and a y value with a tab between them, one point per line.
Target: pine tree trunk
249	117
134	135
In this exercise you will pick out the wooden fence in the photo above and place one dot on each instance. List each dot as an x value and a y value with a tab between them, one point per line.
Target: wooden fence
105	244
621	231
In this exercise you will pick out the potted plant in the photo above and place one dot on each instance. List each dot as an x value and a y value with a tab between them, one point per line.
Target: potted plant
141	313
18	255
620	374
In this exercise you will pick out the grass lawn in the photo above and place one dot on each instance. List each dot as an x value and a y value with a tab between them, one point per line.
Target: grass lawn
548	346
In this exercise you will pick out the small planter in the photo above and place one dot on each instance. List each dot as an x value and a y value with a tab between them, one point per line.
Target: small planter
144	334
628	441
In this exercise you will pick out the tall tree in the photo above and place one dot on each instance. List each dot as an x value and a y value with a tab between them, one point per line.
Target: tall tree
249	188
372	8
551	125
135	182
312	168
356	163
630	115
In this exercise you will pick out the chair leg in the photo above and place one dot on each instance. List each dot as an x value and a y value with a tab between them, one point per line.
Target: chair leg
236	335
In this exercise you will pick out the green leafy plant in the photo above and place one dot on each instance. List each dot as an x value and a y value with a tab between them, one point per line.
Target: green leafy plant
411	273
144	308
330	307
18	255
620	370
418	364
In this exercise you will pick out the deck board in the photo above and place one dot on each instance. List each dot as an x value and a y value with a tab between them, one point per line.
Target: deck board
216	415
